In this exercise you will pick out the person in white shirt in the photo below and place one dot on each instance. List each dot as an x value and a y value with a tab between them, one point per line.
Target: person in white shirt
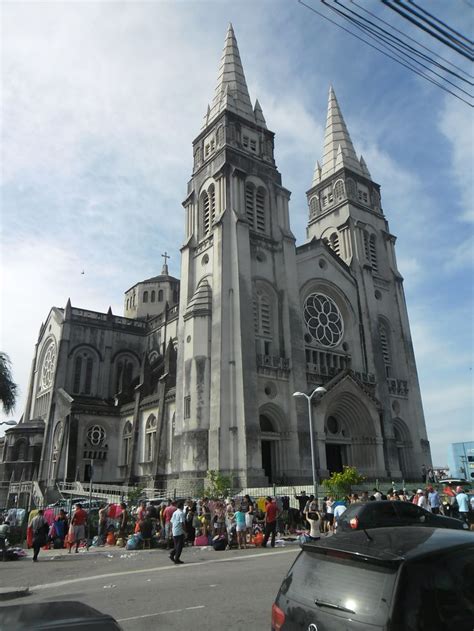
338	511
424	502
177	526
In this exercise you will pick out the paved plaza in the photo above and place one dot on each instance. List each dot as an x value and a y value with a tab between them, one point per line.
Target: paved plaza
142	589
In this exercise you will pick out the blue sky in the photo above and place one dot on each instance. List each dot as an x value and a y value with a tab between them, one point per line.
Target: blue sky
101	102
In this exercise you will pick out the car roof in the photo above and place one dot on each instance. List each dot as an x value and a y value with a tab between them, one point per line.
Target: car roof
393	544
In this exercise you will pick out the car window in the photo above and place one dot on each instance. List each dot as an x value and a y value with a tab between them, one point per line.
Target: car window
437	593
409	511
363	587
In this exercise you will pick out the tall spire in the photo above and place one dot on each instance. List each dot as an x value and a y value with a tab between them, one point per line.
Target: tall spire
338	148
231	90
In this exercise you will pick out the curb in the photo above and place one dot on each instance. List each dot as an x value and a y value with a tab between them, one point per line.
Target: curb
8	593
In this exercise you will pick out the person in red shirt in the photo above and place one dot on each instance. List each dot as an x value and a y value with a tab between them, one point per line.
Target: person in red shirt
167	514
271	514
78	523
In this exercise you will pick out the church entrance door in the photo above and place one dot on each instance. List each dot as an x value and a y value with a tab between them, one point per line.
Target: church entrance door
334	457
267	459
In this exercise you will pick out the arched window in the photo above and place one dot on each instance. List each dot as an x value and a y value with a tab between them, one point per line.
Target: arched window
207	210
126	443
373	253
160	295
212	203
175	296
351	188
313	206
128	302
260	209
77	374
385	348
197	157
124	374
153	296
145	296
249	203
83	373
150	438
333	243
255	201
263	322
220	135
20	451
365	235
339	190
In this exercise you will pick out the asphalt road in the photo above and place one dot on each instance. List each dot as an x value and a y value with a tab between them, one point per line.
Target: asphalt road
215	590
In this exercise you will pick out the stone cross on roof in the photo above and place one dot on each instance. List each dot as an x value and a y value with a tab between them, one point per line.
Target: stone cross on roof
164	271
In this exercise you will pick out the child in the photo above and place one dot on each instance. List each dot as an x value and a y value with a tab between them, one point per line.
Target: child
239	517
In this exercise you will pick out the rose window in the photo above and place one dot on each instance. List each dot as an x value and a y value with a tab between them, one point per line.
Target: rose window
49	363
323	320
96	435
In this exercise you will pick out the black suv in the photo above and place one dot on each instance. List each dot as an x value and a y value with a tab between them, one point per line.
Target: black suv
387	513
387	579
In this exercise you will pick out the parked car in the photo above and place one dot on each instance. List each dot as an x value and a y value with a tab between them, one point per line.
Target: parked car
54	616
386	579
388	513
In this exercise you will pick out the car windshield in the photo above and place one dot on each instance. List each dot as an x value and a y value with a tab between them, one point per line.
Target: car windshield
342	585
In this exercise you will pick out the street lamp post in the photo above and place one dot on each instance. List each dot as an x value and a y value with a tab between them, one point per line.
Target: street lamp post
320	391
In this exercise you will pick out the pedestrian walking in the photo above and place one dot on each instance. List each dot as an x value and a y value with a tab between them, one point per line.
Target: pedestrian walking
463	504
40	528
123	521
78	523
423	473
103	516
433	498
271	514
4	532
249	516
423	500
177	529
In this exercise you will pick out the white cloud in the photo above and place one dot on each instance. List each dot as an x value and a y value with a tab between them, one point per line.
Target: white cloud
456	123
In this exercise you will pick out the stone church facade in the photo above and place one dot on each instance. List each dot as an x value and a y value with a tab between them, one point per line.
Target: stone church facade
200	372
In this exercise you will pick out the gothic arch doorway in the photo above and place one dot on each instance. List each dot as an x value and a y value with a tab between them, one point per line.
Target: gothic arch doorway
269	446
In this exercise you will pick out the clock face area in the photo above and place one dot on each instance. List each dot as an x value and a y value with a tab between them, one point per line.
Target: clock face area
323	320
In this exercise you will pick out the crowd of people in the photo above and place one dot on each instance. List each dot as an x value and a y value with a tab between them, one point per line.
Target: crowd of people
322	517
234	522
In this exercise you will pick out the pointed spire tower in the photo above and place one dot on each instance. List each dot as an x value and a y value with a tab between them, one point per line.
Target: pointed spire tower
231	91
340	182
237	217
338	148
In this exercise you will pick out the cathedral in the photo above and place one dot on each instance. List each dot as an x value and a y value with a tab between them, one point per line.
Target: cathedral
199	373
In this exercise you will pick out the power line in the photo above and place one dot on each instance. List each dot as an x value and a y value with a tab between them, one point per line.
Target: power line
412	39
469	41
445	41
396	45
398	61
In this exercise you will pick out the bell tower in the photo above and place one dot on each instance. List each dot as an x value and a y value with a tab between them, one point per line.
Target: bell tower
345	212
239	331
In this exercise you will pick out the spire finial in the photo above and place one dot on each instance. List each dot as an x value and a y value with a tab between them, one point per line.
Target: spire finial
338	148
164	271
231	80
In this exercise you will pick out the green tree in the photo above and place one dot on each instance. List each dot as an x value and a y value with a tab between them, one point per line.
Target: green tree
8	388
217	485
339	484
135	494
